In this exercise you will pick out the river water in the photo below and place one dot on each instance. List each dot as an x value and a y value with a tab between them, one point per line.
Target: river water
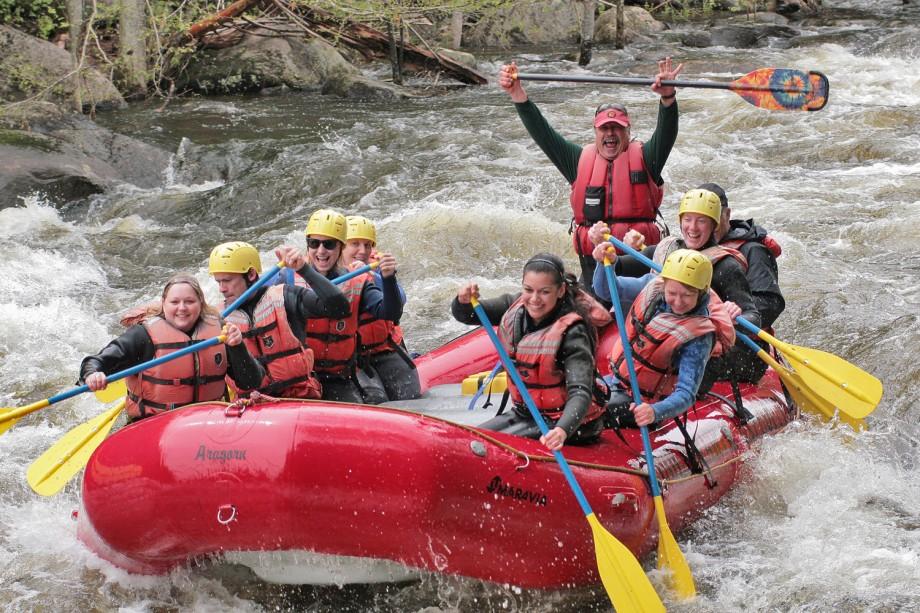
823	521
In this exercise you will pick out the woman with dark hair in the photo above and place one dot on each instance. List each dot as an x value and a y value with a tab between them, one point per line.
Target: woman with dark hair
182	318
548	331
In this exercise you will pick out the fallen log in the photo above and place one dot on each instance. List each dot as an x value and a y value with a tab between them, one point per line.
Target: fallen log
365	38
196	30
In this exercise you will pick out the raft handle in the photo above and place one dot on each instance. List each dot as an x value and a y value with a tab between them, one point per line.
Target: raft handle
224	519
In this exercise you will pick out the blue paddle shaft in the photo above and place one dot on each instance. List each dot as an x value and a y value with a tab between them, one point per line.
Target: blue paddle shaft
484	385
633	379
513	373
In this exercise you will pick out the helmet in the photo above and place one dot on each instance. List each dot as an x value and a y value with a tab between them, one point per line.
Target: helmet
328	223
234	257
360	228
703	202
689	267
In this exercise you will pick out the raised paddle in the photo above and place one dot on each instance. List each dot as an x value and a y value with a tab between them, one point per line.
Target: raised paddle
51	471
775	89
828	383
627	585
669	554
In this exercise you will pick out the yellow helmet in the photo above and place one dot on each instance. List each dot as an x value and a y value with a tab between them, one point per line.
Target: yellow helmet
361	228
234	257
327	223
689	267
703	202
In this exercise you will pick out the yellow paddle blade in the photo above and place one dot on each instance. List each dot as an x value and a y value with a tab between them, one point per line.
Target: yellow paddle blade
112	392
853	391
805	397
9	422
626	583
51	471
670	557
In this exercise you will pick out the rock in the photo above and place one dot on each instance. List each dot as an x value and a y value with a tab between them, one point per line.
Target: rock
698	39
261	62
747	36
527	23
68	157
637	22
29	65
461	57
759	17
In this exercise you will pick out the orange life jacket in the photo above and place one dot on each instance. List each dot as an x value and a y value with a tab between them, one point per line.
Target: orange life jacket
718	252
268	336
535	357
630	196
377	335
196	377
335	341
768	241
655	338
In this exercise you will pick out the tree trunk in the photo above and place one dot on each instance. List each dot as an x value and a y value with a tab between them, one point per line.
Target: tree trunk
587	32
456	29
621	29
133	43
394	57
75	17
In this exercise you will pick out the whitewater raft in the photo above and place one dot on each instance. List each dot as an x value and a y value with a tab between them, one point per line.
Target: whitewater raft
315	492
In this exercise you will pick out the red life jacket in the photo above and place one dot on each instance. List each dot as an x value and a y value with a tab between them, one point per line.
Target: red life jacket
196	377
630	196
656	337
335	341
269	338
377	335
768	241
718	252
535	357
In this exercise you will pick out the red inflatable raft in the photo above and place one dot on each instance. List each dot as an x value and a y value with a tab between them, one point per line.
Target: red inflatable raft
325	492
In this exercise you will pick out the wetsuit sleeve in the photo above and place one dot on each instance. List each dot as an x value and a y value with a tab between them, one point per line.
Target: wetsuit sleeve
130	349
733	286
378	281
382	304
657	148
495	308
244	369
561	152
765	290
576	357
323	299
691	364
628	266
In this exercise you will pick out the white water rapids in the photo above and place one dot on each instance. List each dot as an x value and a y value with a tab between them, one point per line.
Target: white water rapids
824	520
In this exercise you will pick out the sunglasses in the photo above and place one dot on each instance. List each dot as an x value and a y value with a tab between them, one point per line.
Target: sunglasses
610	106
329	243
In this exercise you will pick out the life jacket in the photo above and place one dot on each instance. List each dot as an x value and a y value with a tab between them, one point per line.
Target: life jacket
535	356
717	253
620	192
196	377
376	335
335	341
655	338
768	241
268	336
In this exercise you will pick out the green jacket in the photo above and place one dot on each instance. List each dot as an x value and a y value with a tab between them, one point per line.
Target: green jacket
564	154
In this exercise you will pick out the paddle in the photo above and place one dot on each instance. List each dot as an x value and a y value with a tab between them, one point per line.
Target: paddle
51	471
628	588
669	553
826	383
775	89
